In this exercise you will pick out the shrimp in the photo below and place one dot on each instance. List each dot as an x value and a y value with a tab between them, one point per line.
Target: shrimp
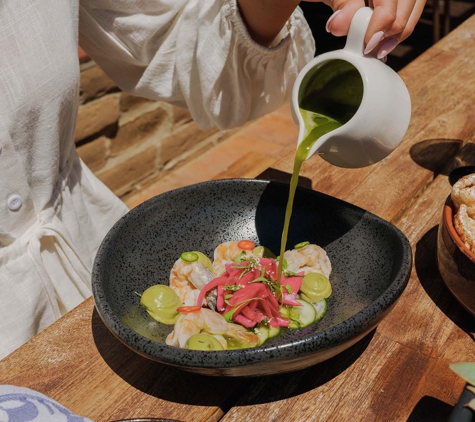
187	279
309	259
209	322
226	253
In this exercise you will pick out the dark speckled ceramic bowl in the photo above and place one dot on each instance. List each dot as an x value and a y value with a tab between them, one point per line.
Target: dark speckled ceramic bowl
371	262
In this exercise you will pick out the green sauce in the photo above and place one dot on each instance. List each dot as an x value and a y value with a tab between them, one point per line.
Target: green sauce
331	97
203	341
234	344
322	125
315	287
141	324
334	89
161	303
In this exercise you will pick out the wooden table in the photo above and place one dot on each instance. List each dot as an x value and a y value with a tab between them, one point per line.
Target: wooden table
399	372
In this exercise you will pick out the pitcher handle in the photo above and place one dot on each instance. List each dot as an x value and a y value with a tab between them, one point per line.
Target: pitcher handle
358	27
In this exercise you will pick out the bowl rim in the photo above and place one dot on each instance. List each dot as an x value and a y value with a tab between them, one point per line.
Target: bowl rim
332	337
448	214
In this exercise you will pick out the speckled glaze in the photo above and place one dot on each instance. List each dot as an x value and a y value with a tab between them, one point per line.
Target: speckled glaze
371	262
456	262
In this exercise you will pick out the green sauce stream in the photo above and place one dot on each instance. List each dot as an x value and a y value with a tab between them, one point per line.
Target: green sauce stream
322	125
330	97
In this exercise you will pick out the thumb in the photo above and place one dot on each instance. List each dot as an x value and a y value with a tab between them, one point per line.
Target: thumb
339	22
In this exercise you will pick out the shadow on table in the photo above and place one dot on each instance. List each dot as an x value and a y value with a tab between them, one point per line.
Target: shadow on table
432	154
425	263
280	387
175	385
430	409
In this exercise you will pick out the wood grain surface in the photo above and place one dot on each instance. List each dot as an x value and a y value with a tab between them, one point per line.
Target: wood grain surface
398	372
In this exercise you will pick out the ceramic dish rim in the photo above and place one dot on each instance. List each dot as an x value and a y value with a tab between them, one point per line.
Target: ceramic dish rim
449	208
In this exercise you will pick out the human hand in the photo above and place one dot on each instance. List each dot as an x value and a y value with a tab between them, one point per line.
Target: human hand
392	21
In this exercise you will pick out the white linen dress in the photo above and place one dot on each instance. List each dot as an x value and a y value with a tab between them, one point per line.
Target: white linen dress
54	212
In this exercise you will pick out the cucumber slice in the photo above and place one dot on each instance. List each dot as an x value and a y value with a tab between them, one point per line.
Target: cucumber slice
321	308
262	333
273	331
284	311
302	316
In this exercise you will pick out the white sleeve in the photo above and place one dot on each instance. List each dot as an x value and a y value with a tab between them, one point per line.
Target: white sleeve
195	54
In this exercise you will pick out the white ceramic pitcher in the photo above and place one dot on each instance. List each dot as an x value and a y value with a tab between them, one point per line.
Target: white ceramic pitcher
382	102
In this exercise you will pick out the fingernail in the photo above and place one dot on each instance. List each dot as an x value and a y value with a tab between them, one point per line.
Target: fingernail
374	41
330	19
388	46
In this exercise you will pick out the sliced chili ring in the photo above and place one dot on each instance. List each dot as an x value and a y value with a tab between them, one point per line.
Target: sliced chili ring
247	245
187	309
301	244
189	256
